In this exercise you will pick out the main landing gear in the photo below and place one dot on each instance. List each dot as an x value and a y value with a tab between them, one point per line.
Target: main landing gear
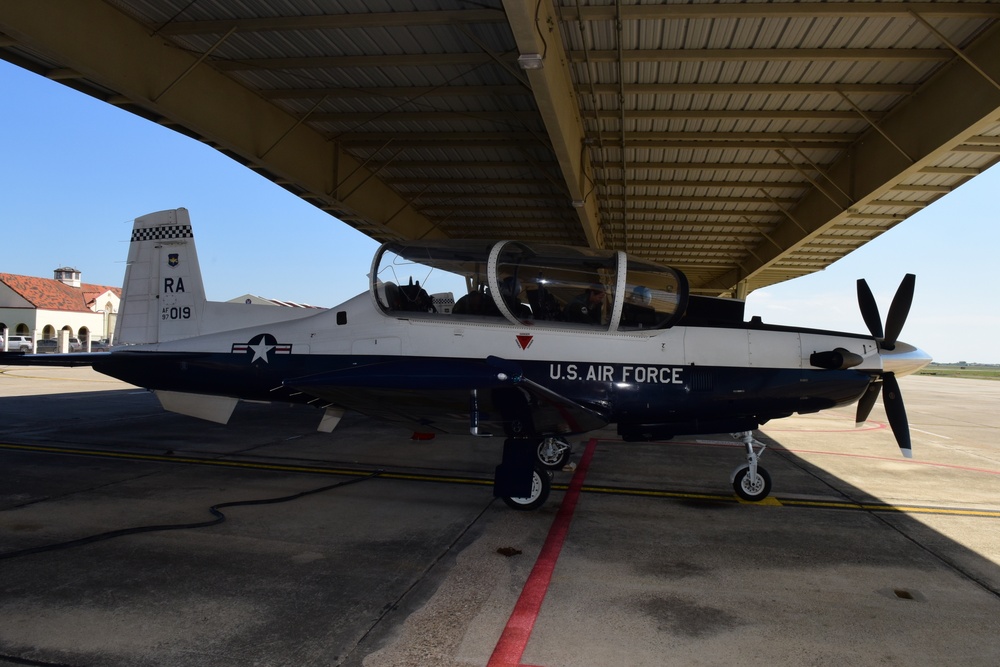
750	481
541	485
522	481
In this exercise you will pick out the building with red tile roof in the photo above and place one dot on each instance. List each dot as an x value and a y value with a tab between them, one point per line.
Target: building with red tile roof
44	307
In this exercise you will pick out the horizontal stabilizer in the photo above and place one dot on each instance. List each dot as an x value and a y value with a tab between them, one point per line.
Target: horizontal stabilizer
68	360
216	409
331	417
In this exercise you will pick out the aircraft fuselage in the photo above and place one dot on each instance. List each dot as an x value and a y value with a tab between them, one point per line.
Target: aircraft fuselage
527	341
653	384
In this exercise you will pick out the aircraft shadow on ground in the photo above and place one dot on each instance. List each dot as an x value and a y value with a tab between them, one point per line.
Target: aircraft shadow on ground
85	420
964	561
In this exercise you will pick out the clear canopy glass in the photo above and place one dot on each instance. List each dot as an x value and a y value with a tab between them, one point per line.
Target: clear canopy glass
527	284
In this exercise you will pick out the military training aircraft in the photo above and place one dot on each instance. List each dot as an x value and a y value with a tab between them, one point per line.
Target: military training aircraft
529	342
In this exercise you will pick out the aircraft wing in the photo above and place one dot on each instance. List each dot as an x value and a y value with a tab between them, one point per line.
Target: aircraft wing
453	395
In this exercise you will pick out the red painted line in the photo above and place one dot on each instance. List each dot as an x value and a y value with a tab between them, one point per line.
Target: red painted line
516	634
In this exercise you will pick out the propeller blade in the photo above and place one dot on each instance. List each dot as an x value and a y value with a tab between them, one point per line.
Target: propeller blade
869	309
893	402
867	402
898	311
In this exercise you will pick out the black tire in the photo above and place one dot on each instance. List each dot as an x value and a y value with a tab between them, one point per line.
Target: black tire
747	491
549	462
541	485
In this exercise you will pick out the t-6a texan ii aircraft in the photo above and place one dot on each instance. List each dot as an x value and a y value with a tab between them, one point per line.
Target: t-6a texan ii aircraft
528	342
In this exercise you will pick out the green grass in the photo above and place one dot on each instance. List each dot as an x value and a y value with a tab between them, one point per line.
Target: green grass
975	371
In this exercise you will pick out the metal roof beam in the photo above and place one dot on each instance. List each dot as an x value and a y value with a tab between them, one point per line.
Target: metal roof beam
738	185
706	199
633	13
745	137
536	32
209	105
638	114
427	197
509	117
725	114
927	125
980	10
636	165
334	21
460	182
478	209
669	214
769	55
406	92
760	88
342	62
469	164
707	166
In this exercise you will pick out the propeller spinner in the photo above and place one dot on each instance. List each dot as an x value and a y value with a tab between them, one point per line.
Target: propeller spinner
896	358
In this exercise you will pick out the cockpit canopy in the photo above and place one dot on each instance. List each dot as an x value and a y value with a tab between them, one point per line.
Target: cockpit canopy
527	284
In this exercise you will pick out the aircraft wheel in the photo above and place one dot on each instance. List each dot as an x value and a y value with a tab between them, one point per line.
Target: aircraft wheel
748	489
553	453
541	484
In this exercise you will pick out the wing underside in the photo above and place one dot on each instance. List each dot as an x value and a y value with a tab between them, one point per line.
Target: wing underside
453	396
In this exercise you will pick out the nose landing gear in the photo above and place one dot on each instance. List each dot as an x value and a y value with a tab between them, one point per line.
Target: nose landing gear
750	480
553	453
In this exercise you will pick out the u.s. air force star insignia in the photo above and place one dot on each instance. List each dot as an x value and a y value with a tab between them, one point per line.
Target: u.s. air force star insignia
260	345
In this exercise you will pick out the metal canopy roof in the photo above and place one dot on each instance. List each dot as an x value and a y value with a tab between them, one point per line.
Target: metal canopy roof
744	143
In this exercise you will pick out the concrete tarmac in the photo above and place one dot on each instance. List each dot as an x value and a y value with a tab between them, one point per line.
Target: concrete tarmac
364	548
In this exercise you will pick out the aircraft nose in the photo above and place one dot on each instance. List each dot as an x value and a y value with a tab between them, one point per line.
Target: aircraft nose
904	359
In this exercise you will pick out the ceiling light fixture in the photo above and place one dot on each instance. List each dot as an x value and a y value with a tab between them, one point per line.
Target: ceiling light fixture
528	61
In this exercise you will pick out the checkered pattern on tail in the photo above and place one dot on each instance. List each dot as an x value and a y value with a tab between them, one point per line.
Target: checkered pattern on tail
162	233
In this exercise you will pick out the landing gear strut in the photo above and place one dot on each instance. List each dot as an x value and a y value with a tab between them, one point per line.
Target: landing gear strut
750	480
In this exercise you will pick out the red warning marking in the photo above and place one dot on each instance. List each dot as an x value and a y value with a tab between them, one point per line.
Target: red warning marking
524	340
515	636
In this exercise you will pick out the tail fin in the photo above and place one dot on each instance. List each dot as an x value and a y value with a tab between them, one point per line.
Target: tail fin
163	297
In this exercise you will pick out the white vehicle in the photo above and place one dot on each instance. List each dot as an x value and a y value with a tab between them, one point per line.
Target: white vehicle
18	343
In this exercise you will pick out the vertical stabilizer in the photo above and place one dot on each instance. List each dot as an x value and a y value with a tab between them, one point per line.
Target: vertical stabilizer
163	296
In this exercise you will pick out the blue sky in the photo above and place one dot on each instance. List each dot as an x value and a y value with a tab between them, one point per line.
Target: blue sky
74	173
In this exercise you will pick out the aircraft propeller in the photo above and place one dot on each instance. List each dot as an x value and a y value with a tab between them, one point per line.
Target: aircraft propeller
887	340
